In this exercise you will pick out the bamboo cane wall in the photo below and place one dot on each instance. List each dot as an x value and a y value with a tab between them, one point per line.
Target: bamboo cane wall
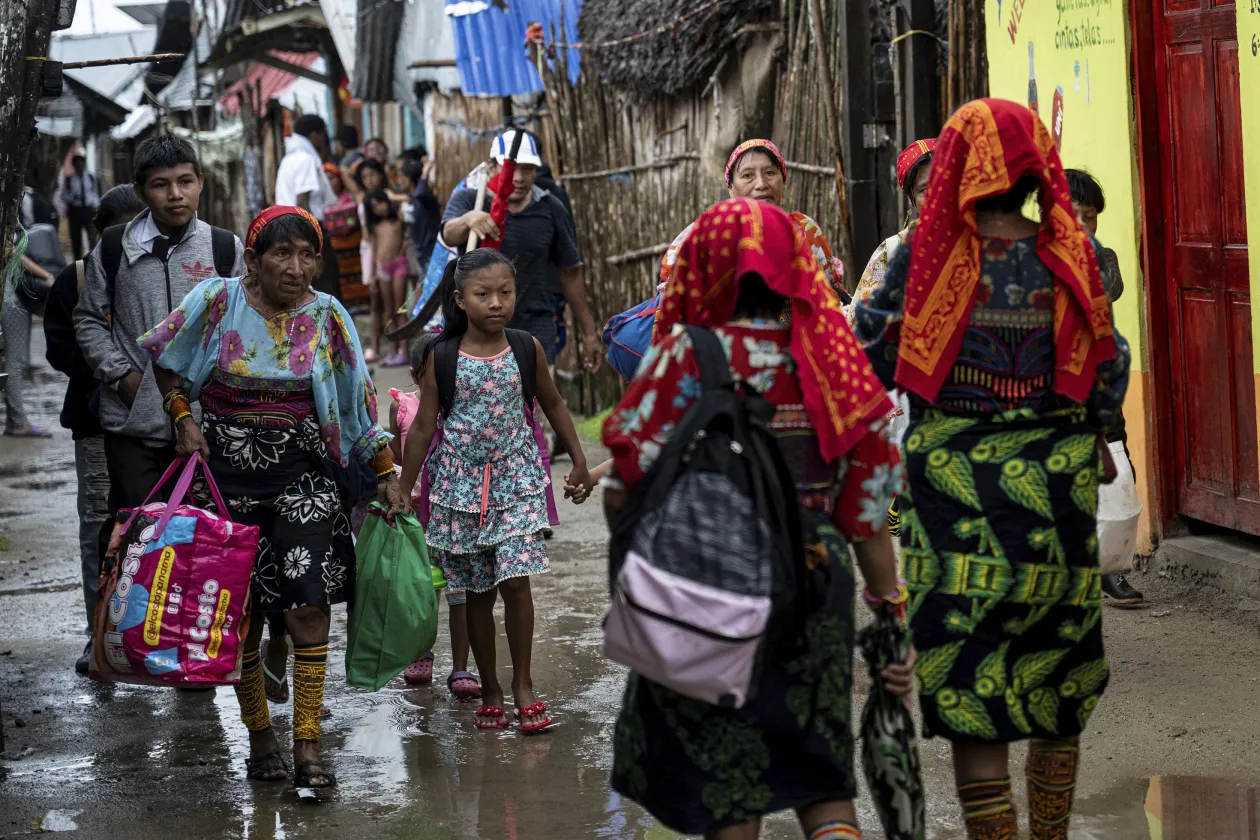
619	213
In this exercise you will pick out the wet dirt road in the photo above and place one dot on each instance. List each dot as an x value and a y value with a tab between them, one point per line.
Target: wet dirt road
113	761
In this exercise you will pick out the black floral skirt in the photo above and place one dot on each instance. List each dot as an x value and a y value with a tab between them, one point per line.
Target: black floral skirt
281	480
699	768
1000	553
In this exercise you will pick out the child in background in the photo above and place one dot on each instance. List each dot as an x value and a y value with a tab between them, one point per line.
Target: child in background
462	684
389	255
1088	201
489	486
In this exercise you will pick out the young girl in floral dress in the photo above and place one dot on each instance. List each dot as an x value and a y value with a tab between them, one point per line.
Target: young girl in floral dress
488	477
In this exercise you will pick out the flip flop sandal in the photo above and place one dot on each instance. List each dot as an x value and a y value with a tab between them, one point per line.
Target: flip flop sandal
308	770
258	768
31	432
371	357
463	685
536	710
419	672
278	695
497	712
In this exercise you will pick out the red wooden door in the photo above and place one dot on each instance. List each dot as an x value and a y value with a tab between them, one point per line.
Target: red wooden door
1207	289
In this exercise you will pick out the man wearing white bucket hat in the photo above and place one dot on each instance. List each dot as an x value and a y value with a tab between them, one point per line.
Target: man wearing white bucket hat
538	235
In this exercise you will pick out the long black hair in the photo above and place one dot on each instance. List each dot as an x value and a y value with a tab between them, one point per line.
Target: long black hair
118	204
457	271
370	215
420	349
1011	201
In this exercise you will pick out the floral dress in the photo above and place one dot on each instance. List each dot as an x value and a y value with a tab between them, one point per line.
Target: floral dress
998	538
489	486
289	414
698	767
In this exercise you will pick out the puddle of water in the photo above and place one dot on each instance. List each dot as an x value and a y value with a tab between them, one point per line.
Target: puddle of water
58	820
1172	808
1185	807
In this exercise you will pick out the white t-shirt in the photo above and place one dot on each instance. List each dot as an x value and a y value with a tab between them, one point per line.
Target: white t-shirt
301	171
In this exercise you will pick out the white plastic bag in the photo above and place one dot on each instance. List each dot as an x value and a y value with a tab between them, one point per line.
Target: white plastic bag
900	416
1118	511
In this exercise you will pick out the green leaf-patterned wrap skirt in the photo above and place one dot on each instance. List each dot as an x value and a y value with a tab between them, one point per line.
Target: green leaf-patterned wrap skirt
1000	552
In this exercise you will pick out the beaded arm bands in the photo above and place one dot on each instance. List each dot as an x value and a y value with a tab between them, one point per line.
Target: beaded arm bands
382	464
176	405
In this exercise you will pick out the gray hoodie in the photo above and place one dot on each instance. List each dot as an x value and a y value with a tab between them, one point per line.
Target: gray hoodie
146	290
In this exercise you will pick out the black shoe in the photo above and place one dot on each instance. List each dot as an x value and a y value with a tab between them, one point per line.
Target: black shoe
1119	593
81	666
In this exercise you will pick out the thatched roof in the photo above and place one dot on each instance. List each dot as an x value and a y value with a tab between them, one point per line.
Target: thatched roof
669	62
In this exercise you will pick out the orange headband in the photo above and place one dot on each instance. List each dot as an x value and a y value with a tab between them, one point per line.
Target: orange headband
274	212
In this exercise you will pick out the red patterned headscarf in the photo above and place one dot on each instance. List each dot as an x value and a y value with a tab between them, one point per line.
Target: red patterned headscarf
274	212
760	145
984	150
911	155
741	236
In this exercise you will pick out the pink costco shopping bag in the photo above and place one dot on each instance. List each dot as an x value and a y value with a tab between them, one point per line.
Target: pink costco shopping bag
175	602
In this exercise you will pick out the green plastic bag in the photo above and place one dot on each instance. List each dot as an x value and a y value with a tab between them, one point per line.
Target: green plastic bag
395	616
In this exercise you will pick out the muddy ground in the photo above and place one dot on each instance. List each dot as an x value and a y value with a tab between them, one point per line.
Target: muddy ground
1172	751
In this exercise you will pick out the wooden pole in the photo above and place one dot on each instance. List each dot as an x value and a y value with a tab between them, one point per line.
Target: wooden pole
833	130
25	31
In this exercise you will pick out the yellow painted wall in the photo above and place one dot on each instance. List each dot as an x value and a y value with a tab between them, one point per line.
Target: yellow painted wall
1249	96
1082	48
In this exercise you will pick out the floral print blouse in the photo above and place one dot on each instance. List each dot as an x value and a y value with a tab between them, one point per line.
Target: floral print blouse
1006	361
216	334
855	491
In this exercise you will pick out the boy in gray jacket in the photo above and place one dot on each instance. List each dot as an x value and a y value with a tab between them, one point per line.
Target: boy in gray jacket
165	252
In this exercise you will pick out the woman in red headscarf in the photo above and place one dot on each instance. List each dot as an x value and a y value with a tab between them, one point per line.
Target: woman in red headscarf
706	770
757	169
999	329
914	167
288	426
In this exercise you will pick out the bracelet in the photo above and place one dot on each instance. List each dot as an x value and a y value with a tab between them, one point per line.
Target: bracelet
895	599
171	396
181	416
179	408
382	464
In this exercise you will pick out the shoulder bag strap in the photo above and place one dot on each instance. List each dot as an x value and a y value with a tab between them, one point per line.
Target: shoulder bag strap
715	368
445	360
522	344
223	246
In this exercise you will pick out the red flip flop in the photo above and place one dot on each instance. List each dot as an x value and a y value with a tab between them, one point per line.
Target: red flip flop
420	672
497	712
539	708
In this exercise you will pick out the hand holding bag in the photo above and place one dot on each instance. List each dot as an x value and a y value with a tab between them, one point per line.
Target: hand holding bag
394	622
175	599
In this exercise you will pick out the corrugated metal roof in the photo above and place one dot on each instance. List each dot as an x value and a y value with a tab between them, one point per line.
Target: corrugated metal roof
271	81
426	36
490	42
375	43
113	80
178	95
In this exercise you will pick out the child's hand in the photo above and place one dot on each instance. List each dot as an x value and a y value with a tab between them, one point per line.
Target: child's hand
578	485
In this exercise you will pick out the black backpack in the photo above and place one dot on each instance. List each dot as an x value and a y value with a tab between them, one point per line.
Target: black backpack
719	505
222	246
446	358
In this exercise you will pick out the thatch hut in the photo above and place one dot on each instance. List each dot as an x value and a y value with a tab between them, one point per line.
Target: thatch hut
668	87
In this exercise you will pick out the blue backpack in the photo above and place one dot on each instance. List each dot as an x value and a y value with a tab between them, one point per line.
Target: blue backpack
629	335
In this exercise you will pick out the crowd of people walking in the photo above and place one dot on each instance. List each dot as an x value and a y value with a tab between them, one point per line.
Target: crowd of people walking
948	426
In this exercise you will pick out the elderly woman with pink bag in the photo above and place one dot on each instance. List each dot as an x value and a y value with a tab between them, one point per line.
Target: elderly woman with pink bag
288	426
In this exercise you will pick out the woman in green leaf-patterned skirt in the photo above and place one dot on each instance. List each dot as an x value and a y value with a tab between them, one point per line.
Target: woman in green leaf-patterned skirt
998	528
